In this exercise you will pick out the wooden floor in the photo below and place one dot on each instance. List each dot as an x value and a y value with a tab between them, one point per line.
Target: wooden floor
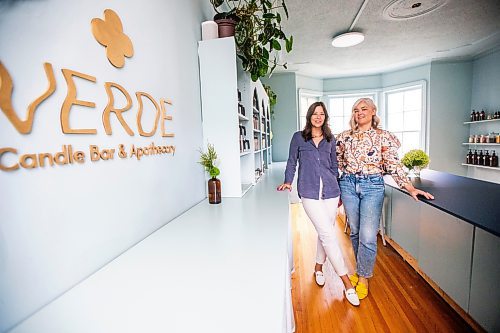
399	300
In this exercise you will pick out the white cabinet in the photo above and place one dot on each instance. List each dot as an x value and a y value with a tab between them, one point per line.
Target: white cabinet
243	148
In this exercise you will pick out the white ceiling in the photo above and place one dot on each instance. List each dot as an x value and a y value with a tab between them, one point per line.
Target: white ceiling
459	29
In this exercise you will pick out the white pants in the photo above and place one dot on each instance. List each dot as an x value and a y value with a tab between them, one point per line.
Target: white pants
322	214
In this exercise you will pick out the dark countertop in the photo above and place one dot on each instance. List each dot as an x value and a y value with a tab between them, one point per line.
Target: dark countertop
472	200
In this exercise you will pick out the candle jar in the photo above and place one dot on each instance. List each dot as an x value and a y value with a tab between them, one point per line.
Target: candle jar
484	139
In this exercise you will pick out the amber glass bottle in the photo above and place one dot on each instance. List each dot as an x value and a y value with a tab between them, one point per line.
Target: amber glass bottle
214	191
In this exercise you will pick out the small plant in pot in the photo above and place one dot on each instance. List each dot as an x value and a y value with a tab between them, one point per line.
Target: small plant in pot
208	160
415	160
258	35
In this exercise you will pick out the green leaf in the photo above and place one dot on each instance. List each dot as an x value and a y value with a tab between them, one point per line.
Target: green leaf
268	16
275	44
265	53
289	44
216	3
278	17
284	8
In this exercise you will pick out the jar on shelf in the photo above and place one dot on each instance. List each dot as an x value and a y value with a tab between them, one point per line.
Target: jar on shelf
492	138
477	139
472	138
484	138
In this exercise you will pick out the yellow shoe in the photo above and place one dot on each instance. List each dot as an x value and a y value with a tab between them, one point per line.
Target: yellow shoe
354	279
361	290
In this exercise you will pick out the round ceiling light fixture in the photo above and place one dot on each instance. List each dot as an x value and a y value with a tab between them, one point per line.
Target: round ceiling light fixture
348	39
408	9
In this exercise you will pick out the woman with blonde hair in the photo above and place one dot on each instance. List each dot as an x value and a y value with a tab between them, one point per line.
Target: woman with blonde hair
364	152
314	149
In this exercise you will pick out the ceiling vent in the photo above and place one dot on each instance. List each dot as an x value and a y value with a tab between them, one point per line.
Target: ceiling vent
408	9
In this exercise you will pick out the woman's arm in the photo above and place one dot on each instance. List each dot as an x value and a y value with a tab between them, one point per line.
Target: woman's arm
340	150
393	166
291	164
333	158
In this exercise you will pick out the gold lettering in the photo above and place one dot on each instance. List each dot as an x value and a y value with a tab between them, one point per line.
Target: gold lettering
24	161
111	108
41	157
164	117
71	100
79	156
8	168
139	113
6	87
94	153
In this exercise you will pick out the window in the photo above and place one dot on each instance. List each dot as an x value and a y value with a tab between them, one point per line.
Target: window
305	101
340	110
404	114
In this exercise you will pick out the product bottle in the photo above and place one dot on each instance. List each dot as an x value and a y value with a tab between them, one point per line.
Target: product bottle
480	160
494	160
468	159
483	115
486	159
474	157
472	115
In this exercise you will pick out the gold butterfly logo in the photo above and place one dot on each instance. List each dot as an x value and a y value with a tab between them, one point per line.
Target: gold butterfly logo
109	33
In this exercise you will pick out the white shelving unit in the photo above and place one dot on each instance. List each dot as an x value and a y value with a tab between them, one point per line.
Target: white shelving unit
221	78
483	127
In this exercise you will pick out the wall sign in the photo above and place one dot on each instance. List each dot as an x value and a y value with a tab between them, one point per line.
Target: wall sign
108	32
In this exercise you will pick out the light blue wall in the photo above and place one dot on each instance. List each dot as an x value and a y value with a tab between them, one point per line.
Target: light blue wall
60	224
406	75
352	83
284	123
450	95
486	94
309	83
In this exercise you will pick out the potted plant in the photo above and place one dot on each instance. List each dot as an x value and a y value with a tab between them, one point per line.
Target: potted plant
272	98
415	160
258	33
208	160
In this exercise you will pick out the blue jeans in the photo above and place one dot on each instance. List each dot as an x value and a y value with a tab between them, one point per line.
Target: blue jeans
363	197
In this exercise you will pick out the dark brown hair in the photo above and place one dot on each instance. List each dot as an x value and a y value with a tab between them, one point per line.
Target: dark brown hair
307	131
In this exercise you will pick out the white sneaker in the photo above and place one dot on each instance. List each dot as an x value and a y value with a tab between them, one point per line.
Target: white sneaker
351	296
320	278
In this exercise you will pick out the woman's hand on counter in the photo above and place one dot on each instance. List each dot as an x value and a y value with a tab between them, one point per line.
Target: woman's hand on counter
414	192
284	186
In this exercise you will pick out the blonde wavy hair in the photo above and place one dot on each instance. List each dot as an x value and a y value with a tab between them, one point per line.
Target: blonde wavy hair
375	119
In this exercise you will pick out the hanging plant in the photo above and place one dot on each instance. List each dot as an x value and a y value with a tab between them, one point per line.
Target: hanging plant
272	98
259	35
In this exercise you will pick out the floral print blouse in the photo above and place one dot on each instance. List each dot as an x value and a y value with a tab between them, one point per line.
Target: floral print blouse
370	152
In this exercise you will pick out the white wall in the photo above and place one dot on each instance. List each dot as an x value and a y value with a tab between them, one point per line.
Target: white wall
60	224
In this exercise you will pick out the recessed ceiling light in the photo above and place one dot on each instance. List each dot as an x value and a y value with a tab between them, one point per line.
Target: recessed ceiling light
348	39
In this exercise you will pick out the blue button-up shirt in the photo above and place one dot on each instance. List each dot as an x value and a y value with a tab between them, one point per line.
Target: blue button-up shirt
314	163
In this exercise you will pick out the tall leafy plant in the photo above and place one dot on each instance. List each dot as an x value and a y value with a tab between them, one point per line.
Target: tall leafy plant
259	35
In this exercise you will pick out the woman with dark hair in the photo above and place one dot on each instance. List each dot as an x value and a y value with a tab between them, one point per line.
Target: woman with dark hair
315	149
364	153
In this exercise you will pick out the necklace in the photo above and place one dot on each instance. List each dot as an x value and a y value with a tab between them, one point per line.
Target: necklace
317	136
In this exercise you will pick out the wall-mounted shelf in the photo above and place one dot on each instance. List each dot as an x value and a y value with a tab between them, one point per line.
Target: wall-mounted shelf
242	117
480	121
481	166
480	144
245	153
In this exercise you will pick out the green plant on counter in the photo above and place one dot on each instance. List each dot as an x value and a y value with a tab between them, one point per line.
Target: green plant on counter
272	98
208	159
258	33
415	158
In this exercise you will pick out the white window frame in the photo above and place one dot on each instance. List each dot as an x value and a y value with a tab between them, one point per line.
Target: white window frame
350	93
424	117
